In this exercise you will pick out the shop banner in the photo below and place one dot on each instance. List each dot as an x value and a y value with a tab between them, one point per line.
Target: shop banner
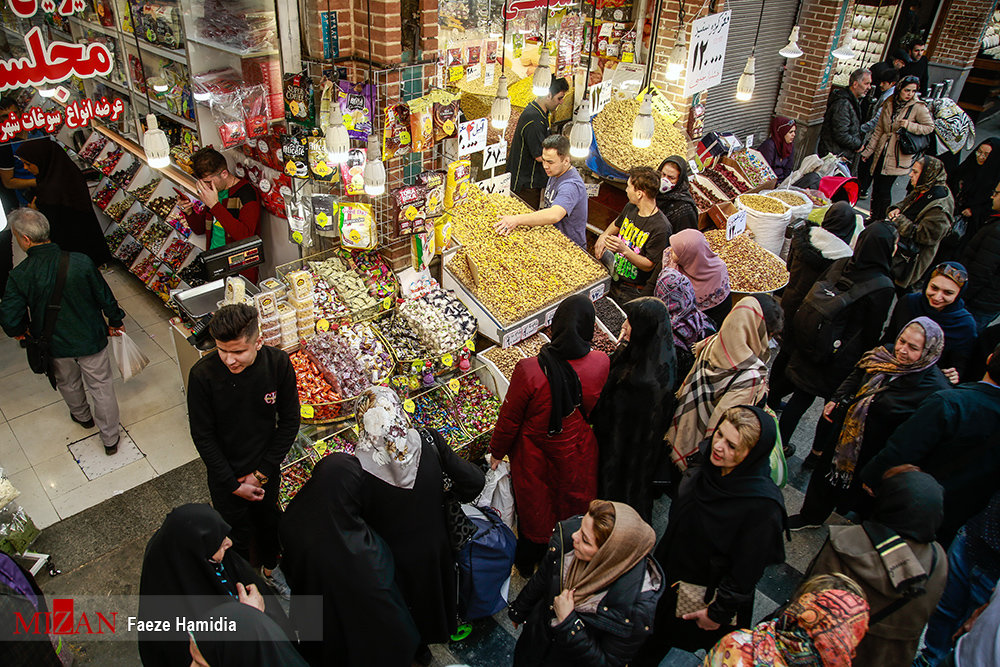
707	52
75	115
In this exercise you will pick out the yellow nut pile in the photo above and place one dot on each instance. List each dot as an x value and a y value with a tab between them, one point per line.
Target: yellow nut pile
789	197
475	106
504	359
751	268
479	87
613	131
520	92
763	204
523	272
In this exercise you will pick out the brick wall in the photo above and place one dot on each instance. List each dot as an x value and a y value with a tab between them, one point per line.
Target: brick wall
960	30
352	24
665	40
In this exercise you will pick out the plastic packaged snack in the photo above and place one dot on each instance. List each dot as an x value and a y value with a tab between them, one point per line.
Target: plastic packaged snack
352	172
296	156
421	125
457	185
396	135
300	103
357	226
433	182
408	208
356	105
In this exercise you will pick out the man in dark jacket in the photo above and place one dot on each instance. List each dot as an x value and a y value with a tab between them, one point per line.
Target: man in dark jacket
982	260
79	343
528	177
917	64
841	133
243	406
953	436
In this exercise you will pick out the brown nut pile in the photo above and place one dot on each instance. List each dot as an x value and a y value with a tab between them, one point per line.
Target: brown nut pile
613	131
523	272
505	360
789	197
751	268
531	345
763	204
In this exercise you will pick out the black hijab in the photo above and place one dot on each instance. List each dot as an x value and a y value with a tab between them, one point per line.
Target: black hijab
840	220
572	333
648	359
872	253
257	640
59	182
978	180
680	193
911	504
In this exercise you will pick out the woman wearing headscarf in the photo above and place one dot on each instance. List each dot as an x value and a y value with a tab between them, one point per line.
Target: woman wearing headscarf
861	323
688	324
593	597
187	570
923	218
882	391
941	301
779	147
725	527
730	368
391	487
675	198
901	111
689	253
818	627
20	594
894	557
257	640
61	194
974	181
543	427
635	407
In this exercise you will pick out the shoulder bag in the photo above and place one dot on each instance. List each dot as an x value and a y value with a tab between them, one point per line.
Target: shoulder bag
460	527
908	143
39	350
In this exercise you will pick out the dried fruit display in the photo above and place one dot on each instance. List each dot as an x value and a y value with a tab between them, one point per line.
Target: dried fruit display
733	176
752	269
721	182
523	272
613	131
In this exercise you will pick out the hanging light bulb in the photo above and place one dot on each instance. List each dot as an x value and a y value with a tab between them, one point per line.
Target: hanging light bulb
542	78
792	49
678	57
845	52
643	127
154	142
374	169
500	112
581	135
744	87
338	144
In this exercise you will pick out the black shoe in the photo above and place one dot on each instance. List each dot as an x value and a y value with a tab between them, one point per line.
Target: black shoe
113	449
799	522
810	461
789	450
86	424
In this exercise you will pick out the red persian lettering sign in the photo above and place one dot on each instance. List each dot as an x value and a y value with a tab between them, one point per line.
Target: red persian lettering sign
515	7
77	115
57	62
28	8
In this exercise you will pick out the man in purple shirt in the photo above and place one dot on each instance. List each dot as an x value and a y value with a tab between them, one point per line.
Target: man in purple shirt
564	202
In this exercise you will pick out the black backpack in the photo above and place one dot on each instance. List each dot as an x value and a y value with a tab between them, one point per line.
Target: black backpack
819	324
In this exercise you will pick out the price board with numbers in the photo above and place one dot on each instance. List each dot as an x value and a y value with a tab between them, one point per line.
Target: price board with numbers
495	155
707	52
472	136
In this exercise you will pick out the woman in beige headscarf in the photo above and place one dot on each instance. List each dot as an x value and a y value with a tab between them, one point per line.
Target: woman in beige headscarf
609	585
729	369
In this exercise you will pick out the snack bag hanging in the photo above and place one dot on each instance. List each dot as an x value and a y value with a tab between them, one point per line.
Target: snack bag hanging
357	226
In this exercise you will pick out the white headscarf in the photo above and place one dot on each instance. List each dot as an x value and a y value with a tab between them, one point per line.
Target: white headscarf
387	448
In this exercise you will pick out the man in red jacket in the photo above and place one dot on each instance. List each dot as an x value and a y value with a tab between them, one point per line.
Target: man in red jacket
231	204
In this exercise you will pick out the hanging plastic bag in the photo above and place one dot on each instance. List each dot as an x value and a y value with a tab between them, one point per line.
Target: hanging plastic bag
498	494
130	358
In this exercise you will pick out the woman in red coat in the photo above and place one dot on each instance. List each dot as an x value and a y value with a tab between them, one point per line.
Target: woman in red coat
543	427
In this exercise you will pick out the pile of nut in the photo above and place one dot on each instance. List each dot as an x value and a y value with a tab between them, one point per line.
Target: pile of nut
613	131
752	269
789	197
532	345
479	87
763	204
520	273
504	359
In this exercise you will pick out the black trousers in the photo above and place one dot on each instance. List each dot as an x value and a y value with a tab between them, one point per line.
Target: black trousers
531	196
254	523
881	190
822	497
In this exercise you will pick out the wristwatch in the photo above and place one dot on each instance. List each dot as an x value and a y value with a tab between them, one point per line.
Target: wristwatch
260	477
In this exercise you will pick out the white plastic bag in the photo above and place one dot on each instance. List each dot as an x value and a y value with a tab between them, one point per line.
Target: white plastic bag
498	493
130	358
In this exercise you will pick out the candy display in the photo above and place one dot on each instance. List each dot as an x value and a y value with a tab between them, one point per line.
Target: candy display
115	237
610	315
376	273
613	133
193	274
476	407
367	348
431	410
338	442
118	210
293	478
163	281
142	194
339	291
128	251
146	267
405	343
104	196
94	146
154	236
176	253
162	206
108	163
124	175
333	356
754	166
504	359
313	389
442	322
752	269
520	273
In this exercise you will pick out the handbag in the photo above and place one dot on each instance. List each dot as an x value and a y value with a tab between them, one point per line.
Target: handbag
39	350
460	527
691	599
907	252
908	143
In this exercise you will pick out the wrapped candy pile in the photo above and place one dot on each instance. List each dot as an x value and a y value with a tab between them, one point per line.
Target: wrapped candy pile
431	411
293	478
403	340
377	275
475	405
313	388
441	321
335	360
339	291
368	349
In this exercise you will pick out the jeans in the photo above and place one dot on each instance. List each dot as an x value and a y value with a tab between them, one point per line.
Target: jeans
968	588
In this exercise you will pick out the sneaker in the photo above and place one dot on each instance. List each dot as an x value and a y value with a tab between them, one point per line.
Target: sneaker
113	449
89	423
276	580
799	522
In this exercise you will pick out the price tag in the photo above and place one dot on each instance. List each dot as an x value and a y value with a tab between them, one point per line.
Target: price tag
321	448
749	143
456	73
549	316
409	406
297	237
499	184
474	72
597	292
306	411
488	74
530	329
322	325
447	360
454	385
472	136
472	346
736	224
510	338
387	303
495	155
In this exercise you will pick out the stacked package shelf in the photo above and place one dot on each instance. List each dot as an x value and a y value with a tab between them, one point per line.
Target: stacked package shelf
872	26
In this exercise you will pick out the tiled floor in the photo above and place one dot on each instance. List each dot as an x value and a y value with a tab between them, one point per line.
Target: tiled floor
36	430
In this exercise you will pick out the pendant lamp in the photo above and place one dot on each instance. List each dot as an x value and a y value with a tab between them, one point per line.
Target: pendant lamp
542	78
581	134
154	143
643	127
792	49
845	52
374	169
678	56
338	143
745	86
500	111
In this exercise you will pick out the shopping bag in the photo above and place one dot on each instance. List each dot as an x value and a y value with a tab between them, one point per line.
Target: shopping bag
498	493
130	358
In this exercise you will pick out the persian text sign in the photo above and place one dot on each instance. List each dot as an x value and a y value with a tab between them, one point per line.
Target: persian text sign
54	63
28	8
707	52
76	115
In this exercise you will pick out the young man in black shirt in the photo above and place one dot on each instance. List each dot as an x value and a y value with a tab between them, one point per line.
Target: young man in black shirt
632	246
527	175
243	406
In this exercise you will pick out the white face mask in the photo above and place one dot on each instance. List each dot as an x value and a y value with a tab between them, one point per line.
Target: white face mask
666	185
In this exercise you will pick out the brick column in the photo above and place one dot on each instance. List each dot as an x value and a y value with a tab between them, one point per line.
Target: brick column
955	44
665	40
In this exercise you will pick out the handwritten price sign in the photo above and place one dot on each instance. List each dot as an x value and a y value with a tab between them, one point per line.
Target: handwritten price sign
707	53
495	155
497	185
472	136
